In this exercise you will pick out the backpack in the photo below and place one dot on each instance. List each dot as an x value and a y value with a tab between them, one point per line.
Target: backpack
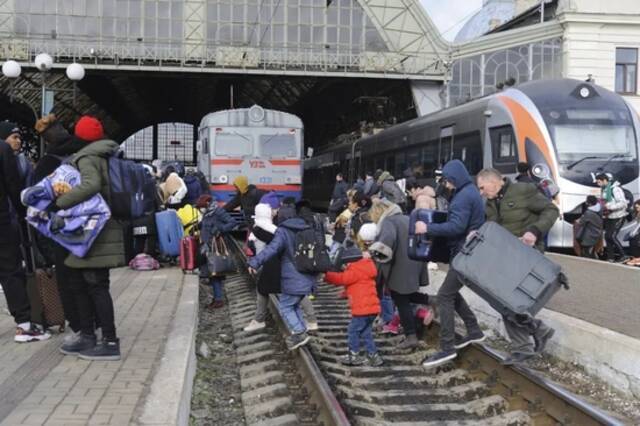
629	196
310	255
132	189
144	262
194	188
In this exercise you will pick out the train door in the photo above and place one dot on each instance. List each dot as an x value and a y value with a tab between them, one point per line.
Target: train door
204	156
445	149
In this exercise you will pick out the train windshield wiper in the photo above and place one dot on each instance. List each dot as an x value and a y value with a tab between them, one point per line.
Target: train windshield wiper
613	157
588	157
242	136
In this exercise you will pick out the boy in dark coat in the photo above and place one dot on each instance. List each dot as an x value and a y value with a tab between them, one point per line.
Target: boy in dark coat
294	284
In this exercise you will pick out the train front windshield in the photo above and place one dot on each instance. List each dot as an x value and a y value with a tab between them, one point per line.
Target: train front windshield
594	141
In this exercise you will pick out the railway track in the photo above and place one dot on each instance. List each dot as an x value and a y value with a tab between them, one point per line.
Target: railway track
310	386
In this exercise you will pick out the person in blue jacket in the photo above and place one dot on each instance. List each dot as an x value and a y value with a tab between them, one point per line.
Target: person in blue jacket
294	284
466	214
215	222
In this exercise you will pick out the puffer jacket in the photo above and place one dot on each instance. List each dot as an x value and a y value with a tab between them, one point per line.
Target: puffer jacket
360	280
283	244
589	227
466	208
215	221
92	161
521	208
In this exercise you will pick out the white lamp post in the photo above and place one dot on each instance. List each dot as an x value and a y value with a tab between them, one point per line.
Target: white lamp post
44	63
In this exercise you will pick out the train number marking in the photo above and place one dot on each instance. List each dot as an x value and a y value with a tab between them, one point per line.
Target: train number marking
257	164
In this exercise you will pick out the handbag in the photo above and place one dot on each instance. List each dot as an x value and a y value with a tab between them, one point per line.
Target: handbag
219	259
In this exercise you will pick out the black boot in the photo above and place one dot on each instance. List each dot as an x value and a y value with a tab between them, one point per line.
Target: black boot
106	350
82	343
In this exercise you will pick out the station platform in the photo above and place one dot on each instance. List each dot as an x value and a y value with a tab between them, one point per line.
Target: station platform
156	316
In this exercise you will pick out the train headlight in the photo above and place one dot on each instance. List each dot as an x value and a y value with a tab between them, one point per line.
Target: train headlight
585	92
540	171
223	179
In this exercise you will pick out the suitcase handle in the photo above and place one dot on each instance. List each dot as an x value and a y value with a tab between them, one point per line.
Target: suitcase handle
471	243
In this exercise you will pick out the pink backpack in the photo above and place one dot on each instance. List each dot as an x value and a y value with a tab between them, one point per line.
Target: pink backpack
144	262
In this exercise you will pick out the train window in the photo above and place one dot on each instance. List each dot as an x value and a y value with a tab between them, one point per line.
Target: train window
278	145
467	148
504	149
390	164
233	144
401	164
430	157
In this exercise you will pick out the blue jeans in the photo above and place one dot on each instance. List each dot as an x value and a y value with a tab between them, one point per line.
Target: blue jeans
360	332
388	309
292	312
216	284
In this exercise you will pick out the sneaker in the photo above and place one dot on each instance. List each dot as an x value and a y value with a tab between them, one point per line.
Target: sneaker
82	343
352	358
390	328
409	342
255	325
375	360
463	342
425	315
70	337
34	334
296	340
439	358
541	342
104	351
215	304
518	358
312	326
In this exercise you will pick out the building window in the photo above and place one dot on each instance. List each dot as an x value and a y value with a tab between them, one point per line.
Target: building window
626	70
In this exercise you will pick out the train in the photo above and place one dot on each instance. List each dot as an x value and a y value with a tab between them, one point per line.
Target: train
566	130
264	145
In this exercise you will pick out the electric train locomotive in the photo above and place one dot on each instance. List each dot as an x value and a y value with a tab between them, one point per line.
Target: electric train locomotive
566	130
262	144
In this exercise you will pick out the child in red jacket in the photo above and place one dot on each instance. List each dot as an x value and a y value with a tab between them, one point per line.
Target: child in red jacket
359	278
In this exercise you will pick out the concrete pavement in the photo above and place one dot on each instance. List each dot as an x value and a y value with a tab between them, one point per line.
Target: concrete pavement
40	386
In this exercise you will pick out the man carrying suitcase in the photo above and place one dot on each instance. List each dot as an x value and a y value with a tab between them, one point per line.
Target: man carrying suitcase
466	214
528	214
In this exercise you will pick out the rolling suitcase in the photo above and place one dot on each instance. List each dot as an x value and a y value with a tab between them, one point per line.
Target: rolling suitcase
513	278
423	248
169	229
189	248
47	286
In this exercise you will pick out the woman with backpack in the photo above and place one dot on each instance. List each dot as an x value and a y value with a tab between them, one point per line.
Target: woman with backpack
397	273
216	222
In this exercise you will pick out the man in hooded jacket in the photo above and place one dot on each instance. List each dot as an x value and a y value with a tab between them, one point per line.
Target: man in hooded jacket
12	274
466	214
247	197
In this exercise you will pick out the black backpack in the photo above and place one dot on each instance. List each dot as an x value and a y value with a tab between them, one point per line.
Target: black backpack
310	254
132	189
629	197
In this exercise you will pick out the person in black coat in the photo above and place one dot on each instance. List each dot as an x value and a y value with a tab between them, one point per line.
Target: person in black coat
247	197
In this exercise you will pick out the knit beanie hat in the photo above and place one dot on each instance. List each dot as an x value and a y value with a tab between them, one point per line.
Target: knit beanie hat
262	212
242	183
89	129
368	232
7	129
271	198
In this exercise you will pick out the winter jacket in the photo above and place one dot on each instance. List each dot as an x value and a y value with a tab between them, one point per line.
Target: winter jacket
466	208
521	208
360	280
269	278
92	163
10	187
370	187
215	221
283	245
397	271
173	190
525	178
390	189
339	190
589	227
615	202
247	201
75	229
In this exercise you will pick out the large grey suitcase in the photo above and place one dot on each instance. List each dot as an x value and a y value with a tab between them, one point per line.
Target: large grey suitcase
513	278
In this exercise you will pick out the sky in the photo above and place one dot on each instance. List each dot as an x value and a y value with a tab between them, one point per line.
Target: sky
450	15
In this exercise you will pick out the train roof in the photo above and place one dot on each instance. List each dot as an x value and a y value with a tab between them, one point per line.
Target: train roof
256	116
